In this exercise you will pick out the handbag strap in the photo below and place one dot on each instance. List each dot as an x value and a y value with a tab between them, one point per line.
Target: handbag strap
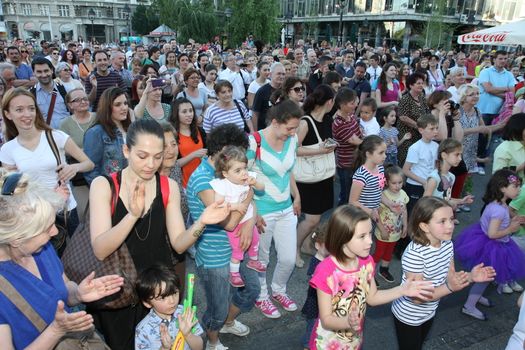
53	145
51	107
315	128
21	304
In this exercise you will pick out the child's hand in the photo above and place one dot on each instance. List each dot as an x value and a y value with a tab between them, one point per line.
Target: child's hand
482	273
251	181
353	318
515	224
187	321
374	215
418	289
469	199
165	337
407	136
458	280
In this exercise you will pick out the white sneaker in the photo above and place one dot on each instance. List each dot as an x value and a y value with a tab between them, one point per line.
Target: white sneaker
481	170
505	289
515	286
237	328
474	170
217	346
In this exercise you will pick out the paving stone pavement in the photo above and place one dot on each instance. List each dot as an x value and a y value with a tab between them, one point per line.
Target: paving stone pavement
451	329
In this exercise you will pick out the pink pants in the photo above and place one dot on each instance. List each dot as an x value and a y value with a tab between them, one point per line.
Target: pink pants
238	253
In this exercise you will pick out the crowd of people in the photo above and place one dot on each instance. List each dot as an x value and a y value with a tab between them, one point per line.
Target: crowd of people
177	152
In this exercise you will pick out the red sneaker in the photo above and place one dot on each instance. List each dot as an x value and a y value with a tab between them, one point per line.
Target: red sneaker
236	279
267	308
285	301
256	265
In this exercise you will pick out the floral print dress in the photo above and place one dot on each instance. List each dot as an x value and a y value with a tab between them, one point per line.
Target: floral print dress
470	142
348	289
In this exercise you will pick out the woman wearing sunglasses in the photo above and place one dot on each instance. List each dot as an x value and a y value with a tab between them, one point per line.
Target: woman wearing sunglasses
64	73
30	265
27	149
292	89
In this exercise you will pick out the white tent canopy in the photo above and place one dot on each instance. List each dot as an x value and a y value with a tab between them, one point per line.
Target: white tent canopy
507	34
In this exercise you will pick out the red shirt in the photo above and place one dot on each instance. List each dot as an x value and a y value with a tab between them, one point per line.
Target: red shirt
342	130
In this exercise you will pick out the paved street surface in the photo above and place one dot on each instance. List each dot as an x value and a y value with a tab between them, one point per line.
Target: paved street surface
451	329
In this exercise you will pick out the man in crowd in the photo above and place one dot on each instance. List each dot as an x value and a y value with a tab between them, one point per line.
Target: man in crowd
303	69
311	56
374	71
346	68
235	76
360	84
154	55
117	65
316	78
165	49
101	79
7	71
50	96
261	102
23	73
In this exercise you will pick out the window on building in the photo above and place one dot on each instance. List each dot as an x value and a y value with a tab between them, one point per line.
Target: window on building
301	8
368	6
26	9
388	5
10	9
63	11
44	10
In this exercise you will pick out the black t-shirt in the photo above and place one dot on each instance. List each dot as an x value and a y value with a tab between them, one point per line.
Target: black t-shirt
261	104
359	86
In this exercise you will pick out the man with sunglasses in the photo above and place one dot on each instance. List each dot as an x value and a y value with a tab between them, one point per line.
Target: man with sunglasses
23	73
54	57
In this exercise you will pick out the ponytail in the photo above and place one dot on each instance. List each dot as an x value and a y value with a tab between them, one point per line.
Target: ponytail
369	145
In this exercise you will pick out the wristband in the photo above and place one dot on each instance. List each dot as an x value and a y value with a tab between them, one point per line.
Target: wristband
448	287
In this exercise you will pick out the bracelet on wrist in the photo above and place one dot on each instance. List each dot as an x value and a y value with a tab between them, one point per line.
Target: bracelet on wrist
448	287
197	232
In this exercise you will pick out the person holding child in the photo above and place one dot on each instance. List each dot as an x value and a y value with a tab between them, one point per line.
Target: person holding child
213	250
232	185
390	134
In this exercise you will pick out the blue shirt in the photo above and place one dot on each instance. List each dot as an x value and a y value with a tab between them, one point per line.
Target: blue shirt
23	71
42	294
147	332
488	103
213	247
43	99
104	151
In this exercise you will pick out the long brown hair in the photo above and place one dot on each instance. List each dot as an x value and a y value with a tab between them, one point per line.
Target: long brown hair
105	111
10	129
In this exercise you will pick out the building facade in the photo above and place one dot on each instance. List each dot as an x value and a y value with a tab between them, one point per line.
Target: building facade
104	20
399	21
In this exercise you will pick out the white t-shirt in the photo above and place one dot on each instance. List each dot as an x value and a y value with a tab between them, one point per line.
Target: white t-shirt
454	92
254	86
370	127
234	193
40	164
423	158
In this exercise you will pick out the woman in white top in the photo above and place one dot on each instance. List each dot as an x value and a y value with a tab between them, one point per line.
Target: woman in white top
263	73
208	85
435	75
28	150
64	72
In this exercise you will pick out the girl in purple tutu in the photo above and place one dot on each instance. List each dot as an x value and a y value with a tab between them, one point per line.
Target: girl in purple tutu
489	242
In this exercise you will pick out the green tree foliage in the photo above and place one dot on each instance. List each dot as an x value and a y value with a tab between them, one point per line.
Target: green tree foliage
191	19
257	17
145	19
436	32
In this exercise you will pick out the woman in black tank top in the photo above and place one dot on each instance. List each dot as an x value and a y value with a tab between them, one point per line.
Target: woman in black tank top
149	222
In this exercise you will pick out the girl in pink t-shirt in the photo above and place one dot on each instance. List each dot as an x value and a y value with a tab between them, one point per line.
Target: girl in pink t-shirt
345	283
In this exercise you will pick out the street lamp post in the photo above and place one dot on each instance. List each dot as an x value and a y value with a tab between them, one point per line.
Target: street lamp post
341	6
288	17
91	16
127	12
228	13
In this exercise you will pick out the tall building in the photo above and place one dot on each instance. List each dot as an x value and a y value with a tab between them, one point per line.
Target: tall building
399	21
105	20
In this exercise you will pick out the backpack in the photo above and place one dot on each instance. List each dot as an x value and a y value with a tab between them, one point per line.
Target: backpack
61	90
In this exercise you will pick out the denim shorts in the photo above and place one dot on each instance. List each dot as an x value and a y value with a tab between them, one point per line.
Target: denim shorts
219	293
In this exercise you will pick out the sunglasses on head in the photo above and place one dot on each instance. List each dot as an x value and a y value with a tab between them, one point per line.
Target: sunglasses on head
10	183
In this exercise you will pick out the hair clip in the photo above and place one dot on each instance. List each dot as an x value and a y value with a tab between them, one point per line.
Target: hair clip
513	179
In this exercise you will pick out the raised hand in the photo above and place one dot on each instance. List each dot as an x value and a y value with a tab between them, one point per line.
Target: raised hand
458	280
215	213
92	289
70	322
187	321
482	273
137	195
165	338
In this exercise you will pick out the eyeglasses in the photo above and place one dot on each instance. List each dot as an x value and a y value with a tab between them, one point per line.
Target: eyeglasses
55	53
66	70
80	99
10	183
299	89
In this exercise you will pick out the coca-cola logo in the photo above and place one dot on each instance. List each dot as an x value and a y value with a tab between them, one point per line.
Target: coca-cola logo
484	38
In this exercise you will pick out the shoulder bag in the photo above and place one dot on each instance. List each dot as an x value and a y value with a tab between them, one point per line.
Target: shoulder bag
84	340
312	169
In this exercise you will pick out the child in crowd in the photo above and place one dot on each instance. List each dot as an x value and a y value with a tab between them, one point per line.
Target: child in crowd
233	185
392	223
367	115
310	308
489	241
158	289
345	284
431	226
346	131
441	180
421	159
369	177
517	339
389	134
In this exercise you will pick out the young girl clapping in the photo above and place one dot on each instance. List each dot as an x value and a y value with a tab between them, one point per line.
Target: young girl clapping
489	241
345	283
430	257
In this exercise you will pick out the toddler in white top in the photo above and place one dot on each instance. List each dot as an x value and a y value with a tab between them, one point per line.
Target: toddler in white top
233	185
367	118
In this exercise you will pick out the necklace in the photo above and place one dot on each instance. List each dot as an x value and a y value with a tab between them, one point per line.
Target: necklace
149	227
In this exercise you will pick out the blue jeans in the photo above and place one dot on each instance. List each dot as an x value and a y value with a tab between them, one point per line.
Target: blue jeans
345	183
219	293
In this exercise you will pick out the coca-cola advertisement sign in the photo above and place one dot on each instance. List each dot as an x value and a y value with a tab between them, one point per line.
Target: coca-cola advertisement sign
497	37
